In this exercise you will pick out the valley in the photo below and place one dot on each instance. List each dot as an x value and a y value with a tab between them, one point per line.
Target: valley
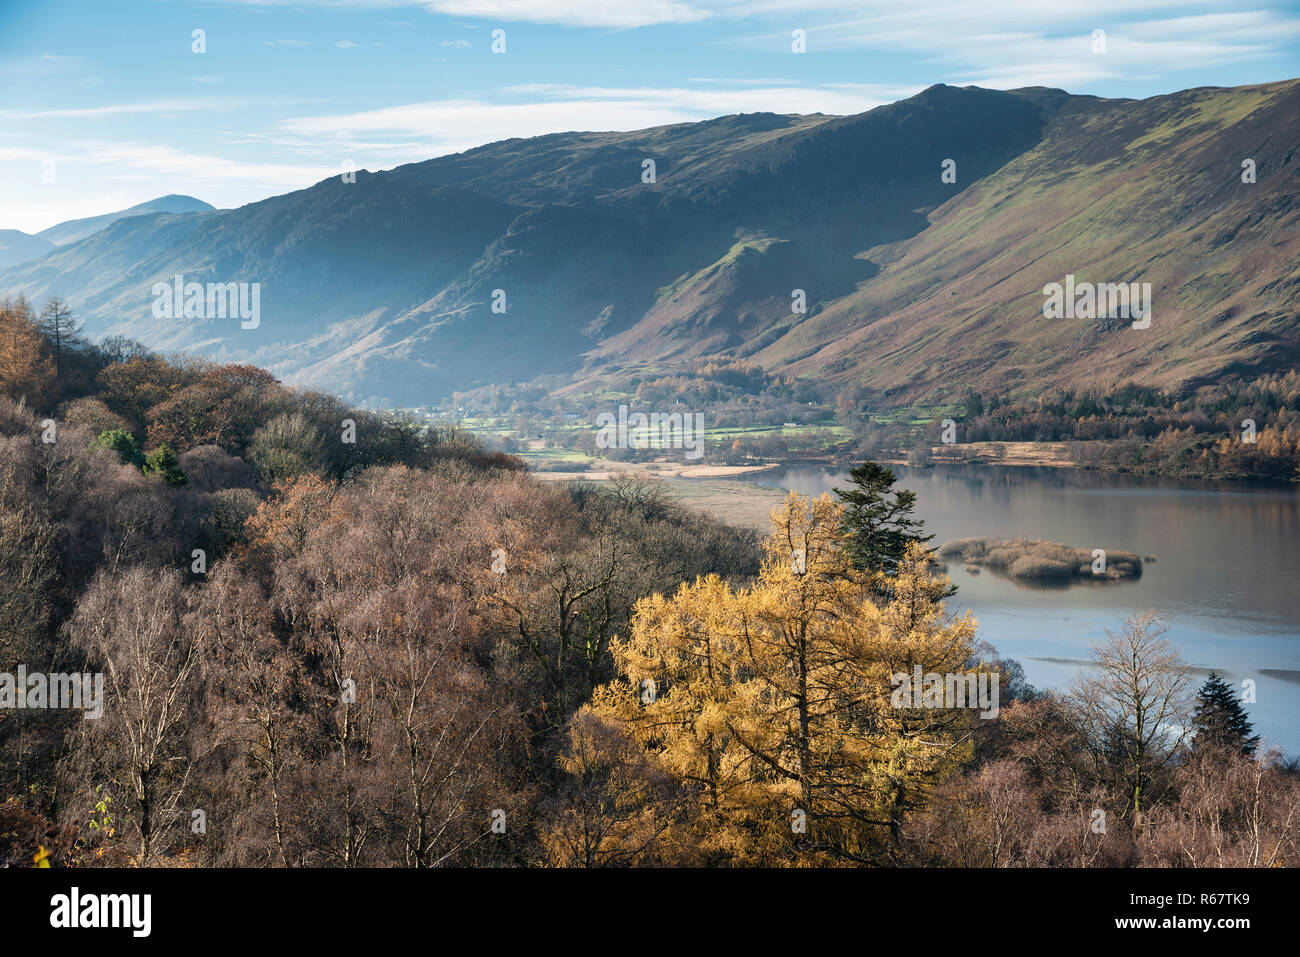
829	251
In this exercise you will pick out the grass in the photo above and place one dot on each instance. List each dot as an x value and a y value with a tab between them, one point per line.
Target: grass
734	502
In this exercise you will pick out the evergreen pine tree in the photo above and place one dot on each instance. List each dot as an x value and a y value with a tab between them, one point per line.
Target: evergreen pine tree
1220	720
879	528
163	460
124	444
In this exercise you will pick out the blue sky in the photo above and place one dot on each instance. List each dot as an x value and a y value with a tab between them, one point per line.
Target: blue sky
104	103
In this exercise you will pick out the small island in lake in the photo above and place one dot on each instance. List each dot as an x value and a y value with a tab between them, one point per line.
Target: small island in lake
1043	562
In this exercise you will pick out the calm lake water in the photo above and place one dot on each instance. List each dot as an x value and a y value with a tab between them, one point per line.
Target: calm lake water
1224	581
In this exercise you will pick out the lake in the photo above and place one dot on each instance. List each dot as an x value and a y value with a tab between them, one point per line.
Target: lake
1224	580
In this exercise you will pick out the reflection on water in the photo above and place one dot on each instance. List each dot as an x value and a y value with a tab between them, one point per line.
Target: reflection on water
1224	578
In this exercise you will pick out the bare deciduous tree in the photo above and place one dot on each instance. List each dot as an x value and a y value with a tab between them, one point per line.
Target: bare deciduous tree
1133	705
60	328
130	624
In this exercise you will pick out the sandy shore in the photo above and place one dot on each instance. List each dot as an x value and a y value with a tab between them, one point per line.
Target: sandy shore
1048	454
663	470
1016	454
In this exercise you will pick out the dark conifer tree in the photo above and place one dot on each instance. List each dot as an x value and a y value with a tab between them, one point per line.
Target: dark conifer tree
880	527
1220	720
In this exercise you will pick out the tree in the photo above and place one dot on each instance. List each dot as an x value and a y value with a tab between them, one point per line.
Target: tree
25	367
776	700
60	328
124	444
92	413
562	607
1232	811
122	349
1133	705
441	726
254	684
282	523
131	626
188	418
286	447
163	461
408	727
130	388
879	529
619	807
28	583
1220	720
980	820
223	407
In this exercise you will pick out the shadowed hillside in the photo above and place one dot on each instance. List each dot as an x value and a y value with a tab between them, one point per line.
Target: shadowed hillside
917	289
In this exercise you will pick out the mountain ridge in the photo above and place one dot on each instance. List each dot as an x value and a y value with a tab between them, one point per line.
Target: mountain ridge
74	230
382	289
17	246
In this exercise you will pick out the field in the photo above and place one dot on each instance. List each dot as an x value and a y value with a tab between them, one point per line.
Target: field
736	503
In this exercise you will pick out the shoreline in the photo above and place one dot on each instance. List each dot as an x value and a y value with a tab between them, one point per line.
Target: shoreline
663	470
1053	455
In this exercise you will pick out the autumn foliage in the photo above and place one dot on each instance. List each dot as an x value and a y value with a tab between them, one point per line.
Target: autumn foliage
382	644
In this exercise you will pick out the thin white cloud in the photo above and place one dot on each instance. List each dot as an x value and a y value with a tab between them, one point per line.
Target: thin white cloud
939	17
179	105
985	42
10	154
745	81
620	14
419	130
52	70
161	163
43	65
989	43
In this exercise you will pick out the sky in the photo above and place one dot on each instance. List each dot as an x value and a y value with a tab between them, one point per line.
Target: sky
108	103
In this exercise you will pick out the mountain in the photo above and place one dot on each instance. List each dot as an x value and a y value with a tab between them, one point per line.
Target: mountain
17	247
917	289
78	229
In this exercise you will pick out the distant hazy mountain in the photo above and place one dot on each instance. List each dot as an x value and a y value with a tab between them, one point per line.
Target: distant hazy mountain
17	247
76	229
382	289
